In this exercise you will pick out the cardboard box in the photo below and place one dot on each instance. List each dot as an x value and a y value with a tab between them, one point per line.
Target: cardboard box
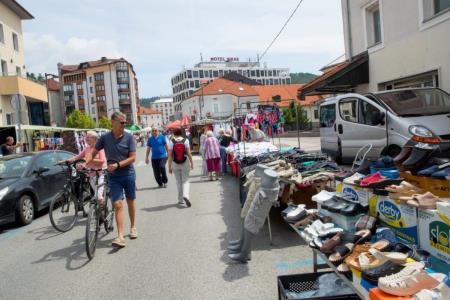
434	231
360	284
373	200
361	194
345	222
339	186
439	187
401	218
377	294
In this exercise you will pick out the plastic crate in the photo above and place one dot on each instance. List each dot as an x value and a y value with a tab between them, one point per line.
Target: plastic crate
303	283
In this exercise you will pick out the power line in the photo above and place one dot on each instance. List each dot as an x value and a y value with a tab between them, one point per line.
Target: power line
281	30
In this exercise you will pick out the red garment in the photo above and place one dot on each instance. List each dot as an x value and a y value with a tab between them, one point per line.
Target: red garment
213	164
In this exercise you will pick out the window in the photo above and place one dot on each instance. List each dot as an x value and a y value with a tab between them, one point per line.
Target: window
368	114
327	115
99	88
18	71
253	73
101	98
4	68
216	108
348	110
316	114
91	89
191	84
373	24
2	35
189	73
80	97
195	73
90	79
197	84
47	160
215	74
121	66
441	5
79	86
15	41
67	88
8	119
98	76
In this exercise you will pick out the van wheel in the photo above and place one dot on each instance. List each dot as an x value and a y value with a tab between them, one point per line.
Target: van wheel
393	151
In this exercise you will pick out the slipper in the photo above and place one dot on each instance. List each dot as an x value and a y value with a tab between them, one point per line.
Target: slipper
340	253
343	268
306	221
381	245
120	243
329	232
425	201
330	244
359	237
396	257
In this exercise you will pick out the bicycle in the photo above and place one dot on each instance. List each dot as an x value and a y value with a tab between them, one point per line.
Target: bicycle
98	214
76	192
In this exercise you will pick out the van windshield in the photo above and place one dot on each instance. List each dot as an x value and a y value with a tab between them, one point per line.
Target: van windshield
412	103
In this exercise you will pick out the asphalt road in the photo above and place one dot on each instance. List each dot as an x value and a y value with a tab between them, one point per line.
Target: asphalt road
180	252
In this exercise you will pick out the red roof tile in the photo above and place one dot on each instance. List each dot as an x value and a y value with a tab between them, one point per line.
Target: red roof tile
147	111
52	85
221	86
287	93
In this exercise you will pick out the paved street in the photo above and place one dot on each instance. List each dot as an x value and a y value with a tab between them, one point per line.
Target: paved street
309	144
179	253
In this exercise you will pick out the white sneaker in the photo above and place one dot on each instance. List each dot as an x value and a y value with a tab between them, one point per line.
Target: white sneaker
296	211
322	196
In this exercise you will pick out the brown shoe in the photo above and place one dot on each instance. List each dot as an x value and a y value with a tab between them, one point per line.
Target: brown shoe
306	221
328	246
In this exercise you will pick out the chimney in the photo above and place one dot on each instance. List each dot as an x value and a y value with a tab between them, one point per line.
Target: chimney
103	59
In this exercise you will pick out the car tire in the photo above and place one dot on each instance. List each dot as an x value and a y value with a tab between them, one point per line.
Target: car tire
393	151
25	210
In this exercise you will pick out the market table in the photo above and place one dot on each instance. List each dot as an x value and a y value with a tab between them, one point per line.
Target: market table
328	265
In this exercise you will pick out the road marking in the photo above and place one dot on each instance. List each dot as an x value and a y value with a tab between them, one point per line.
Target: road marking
298	263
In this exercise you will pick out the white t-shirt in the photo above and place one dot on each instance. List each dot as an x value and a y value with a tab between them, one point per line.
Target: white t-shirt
179	139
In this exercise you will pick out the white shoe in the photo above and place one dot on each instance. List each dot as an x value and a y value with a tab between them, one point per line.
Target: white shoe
322	196
296	211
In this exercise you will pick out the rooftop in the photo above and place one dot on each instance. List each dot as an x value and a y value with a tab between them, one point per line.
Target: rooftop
90	64
222	86
17	9
147	111
52	85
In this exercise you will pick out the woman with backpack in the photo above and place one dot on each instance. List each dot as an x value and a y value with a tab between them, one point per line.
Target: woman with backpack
178	156
212	155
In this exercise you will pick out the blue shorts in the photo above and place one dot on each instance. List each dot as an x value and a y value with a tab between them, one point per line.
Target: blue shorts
119	184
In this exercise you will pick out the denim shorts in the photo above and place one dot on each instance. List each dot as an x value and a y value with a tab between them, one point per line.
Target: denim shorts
119	184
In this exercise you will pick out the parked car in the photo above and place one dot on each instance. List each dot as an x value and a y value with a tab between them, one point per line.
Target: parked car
28	183
386	119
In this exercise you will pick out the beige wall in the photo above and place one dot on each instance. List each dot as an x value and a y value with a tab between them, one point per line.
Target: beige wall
409	45
11	23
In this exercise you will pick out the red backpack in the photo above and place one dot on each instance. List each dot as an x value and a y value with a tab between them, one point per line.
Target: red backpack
179	151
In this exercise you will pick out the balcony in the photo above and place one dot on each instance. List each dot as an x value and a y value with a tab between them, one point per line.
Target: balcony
123	79
11	85
123	90
125	101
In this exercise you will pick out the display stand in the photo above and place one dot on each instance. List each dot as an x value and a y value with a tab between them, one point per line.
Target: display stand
328	265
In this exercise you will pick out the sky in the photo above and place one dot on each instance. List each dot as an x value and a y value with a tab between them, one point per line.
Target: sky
159	37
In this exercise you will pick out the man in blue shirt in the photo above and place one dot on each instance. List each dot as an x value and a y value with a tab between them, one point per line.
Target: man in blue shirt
120	150
158	144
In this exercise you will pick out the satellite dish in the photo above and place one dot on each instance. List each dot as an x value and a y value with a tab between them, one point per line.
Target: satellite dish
15	102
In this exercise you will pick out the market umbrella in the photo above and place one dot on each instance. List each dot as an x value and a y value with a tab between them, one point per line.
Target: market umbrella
186	121
174	124
133	128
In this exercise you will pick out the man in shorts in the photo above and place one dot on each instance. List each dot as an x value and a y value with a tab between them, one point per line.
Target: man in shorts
120	147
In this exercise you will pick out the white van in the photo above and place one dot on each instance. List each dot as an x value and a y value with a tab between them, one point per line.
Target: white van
386	119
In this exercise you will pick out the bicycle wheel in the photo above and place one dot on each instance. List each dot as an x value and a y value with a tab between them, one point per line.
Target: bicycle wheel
92	228
63	212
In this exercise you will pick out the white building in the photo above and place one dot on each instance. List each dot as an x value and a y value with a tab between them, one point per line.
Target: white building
150	118
391	44
189	79
165	107
220	99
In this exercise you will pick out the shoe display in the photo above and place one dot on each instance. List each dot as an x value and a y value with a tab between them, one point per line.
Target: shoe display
425	201
322	196
354	209
388	268
351	179
337	206
410	281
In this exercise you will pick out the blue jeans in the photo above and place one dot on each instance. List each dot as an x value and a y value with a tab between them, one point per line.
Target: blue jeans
119	184
223	157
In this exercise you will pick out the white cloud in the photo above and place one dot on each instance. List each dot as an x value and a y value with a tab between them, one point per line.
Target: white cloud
43	52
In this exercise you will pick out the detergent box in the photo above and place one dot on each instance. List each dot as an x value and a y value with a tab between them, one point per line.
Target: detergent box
434	231
339	186
401	218
360	194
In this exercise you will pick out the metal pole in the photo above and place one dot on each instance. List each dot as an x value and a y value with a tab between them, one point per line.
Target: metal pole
298	127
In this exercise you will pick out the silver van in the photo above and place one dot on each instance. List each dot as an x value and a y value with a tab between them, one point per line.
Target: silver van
386	119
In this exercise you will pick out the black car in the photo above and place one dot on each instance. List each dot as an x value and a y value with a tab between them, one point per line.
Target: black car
28	183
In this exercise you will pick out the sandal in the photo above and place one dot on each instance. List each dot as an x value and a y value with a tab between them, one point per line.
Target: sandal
329	245
341	252
396	257
425	201
117	242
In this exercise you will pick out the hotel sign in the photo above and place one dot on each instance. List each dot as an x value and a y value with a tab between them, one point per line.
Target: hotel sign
224	59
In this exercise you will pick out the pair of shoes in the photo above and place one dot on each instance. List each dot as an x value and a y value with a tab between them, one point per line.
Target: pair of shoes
366	222
118	242
165	185
160	186
424	201
186	200
410	280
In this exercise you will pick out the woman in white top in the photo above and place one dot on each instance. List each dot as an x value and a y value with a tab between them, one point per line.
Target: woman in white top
180	164
203	138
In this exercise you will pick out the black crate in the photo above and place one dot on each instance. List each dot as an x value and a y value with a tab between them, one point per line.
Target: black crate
303	283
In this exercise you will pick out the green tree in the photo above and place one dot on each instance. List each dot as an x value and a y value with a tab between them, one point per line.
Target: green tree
302	77
105	122
77	119
290	115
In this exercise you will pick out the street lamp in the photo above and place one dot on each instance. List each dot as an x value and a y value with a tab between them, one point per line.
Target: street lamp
50	109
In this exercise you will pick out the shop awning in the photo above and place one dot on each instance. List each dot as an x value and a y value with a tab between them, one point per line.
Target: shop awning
174	124
186	121
340	78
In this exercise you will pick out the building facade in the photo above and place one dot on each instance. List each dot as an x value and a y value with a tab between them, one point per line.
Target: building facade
165	107
13	81
99	88
407	42
57	109
186	82
149	117
220	99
